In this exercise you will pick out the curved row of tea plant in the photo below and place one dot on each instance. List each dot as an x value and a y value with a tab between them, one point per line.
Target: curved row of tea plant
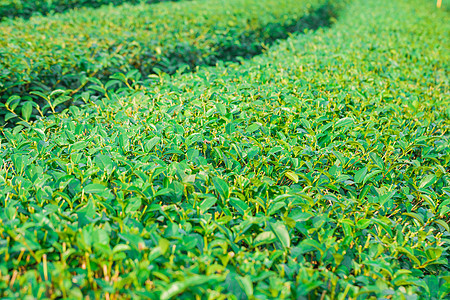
317	171
61	51
27	8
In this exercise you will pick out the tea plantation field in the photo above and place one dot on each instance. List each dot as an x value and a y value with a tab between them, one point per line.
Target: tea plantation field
239	149
64	51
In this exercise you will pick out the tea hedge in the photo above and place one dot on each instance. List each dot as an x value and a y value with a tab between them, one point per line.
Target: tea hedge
62	51
319	170
26	8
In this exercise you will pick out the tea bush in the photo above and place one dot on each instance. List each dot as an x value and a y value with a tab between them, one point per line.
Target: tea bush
319	170
44	54
26	8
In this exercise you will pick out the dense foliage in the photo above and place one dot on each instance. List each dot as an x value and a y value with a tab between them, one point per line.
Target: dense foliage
44	54
319	170
27	8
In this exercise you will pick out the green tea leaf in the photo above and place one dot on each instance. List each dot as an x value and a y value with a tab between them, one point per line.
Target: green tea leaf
266	237
292	176
377	160
246	284
360	174
207	204
221	108
279	229
427	181
27	109
363	223
221	187
94	188
443	224
239	205
344	122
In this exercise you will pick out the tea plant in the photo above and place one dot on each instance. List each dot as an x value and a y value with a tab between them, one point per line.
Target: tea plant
319	170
